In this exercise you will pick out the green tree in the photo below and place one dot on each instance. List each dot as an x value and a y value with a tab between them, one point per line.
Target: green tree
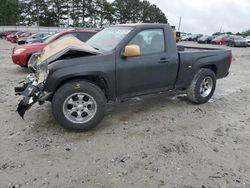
137	11
246	33
59	10
100	13
151	13
8	12
217	33
83	13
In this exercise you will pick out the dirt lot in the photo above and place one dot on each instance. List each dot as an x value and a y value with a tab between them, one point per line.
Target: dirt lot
155	141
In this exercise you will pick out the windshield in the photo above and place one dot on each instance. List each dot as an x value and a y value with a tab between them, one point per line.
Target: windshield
220	37
50	38
238	38
34	36
107	39
204	37
44	38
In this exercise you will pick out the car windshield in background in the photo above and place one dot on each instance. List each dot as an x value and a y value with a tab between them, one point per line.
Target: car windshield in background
45	38
50	38
204	37
34	36
220	37
107	39
238	38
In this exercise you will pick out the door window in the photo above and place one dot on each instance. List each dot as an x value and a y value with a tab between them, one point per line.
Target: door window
150	41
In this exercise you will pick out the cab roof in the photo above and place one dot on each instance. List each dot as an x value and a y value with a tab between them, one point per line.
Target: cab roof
140	24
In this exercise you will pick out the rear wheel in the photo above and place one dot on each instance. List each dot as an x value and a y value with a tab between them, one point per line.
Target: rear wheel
79	105
202	87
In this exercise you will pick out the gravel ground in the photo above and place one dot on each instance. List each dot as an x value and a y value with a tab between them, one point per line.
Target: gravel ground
154	141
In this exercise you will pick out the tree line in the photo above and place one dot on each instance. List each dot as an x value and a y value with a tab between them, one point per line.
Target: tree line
246	33
78	13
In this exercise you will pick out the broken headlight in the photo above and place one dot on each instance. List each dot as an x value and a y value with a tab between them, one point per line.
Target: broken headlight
42	72
32	63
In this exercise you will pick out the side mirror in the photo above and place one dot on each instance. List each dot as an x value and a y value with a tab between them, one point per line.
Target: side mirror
132	51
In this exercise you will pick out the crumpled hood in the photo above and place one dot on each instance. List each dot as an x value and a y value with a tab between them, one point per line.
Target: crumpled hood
62	46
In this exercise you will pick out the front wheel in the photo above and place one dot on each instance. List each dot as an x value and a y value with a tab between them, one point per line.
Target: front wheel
202	87
79	105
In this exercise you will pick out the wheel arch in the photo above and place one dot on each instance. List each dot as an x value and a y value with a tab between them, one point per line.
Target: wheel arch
98	80
212	67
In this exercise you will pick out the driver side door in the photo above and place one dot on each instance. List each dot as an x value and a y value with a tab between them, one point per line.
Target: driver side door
153	70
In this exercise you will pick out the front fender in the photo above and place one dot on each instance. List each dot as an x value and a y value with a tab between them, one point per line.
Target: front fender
55	80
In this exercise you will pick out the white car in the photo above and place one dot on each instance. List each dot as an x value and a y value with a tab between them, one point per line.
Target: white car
248	40
185	37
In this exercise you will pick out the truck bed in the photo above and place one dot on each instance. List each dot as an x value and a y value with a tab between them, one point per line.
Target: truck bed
193	58
182	48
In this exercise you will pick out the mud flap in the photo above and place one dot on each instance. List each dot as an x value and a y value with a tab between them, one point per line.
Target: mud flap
24	105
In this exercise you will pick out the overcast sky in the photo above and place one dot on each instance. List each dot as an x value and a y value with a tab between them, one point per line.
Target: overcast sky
207	16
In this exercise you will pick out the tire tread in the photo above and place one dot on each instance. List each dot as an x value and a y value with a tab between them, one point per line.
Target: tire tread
192	90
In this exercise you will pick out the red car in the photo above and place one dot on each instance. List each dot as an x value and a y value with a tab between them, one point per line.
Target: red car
13	37
222	39
23	35
21	54
4	34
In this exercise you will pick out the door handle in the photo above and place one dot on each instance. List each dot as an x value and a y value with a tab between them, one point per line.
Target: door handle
163	60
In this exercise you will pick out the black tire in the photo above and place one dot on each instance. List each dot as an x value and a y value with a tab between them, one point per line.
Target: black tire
20	42
24	66
194	94
70	89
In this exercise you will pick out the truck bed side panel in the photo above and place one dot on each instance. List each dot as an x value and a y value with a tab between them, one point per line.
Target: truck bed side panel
192	61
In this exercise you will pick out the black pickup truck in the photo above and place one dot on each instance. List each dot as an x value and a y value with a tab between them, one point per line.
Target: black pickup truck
118	63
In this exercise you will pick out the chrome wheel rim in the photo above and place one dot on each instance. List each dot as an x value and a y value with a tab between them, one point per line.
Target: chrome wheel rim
79	108
206	86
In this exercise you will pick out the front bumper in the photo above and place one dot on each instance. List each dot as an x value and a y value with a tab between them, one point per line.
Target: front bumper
32	92
19	59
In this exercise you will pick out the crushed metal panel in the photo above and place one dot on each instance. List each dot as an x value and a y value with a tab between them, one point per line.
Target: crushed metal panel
64	45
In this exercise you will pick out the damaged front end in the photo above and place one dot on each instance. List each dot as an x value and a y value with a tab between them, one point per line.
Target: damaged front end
32	90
